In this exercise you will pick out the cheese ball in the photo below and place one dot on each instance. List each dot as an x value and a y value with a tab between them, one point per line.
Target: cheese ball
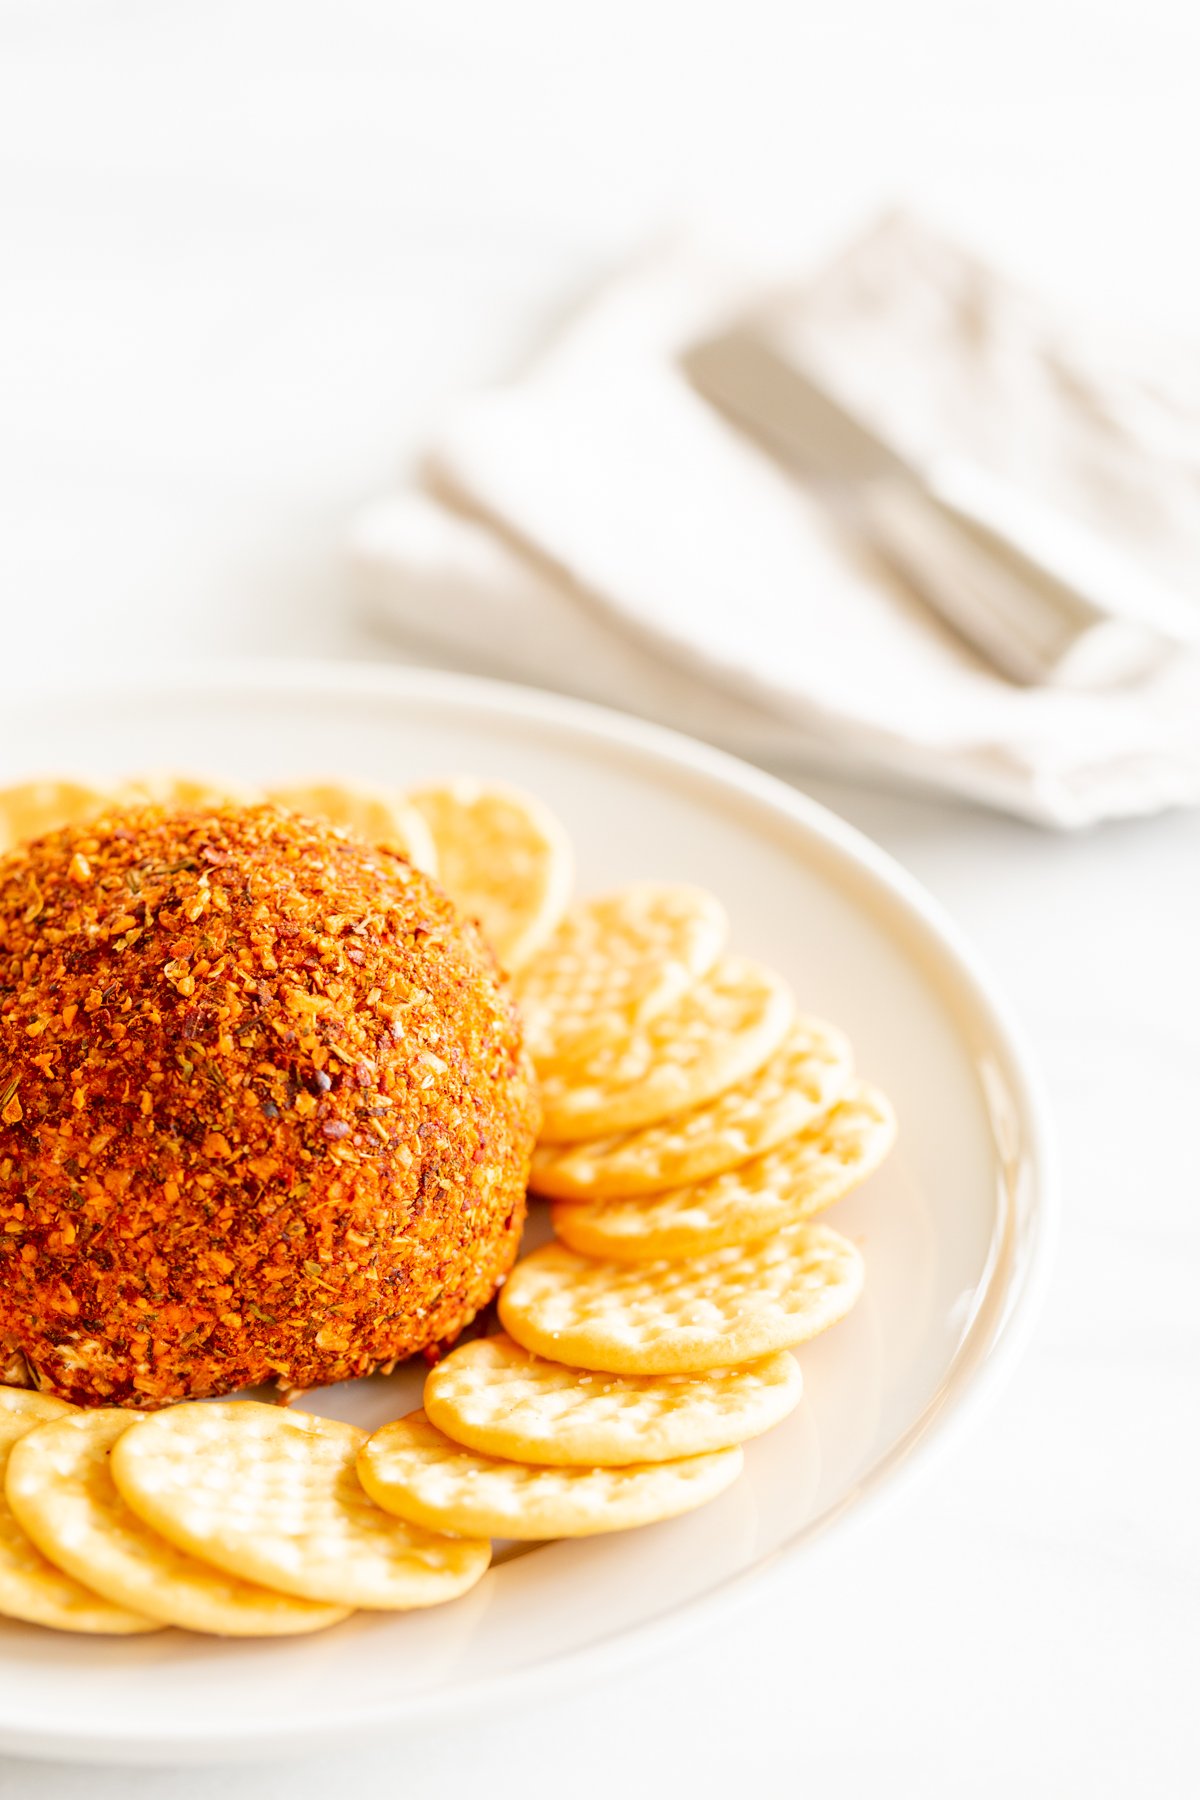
265	1113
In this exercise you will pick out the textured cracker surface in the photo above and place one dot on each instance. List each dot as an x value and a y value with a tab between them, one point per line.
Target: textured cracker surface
413	1469
807	1074
730	1306
721	1031
62	1491
272	1495
31	1587
768	1194
503	858
615	961
495	1397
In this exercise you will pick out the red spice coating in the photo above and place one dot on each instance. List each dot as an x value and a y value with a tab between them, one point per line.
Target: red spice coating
264	1110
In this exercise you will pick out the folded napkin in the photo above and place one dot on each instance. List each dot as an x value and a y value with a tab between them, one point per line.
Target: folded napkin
598	527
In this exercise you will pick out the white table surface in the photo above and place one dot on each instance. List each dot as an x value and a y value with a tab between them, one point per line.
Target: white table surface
246	247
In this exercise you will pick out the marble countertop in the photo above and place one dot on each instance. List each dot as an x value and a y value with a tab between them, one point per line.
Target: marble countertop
247	250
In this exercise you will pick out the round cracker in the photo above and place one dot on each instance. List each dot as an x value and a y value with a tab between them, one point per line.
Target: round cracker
492	1396
676	1318
414	1470
63	1494
503	858
28	809
164	788
378	814
271	1495
33	1588
721	1031
788	1184
615	961
807	1074
21	1408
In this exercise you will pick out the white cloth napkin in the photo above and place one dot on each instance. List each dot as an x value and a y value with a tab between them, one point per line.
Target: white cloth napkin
598	527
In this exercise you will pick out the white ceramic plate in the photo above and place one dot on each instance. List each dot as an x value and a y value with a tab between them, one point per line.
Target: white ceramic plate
954	1229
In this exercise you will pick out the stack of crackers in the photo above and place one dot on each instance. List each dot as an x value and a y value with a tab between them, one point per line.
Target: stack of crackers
694	1125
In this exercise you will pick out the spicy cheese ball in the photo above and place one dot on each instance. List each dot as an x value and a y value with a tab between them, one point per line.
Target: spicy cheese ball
265	1115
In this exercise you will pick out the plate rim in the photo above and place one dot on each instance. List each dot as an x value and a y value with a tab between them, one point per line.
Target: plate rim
1011	1289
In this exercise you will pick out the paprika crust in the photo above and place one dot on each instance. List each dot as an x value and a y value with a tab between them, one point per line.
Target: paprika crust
265	1114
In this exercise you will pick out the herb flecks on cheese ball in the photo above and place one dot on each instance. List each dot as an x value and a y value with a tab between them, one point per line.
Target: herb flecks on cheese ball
265	1115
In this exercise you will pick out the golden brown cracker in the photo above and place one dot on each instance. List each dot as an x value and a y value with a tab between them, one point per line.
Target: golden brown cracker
728	1307
771	1192
271	1495
414	1470
62	1492
503	858
615	961
807	1074
717	1035
492	1396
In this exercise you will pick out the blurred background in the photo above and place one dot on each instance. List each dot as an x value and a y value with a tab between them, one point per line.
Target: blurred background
259	257
252	248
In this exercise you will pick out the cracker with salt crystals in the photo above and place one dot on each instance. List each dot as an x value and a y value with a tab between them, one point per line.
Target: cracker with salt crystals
676	1318
380	815
722	1030
29	809
502	857
614	962
271	1495
62	1492
790	1183
494	1397
414	1470
33	1588
807	1074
